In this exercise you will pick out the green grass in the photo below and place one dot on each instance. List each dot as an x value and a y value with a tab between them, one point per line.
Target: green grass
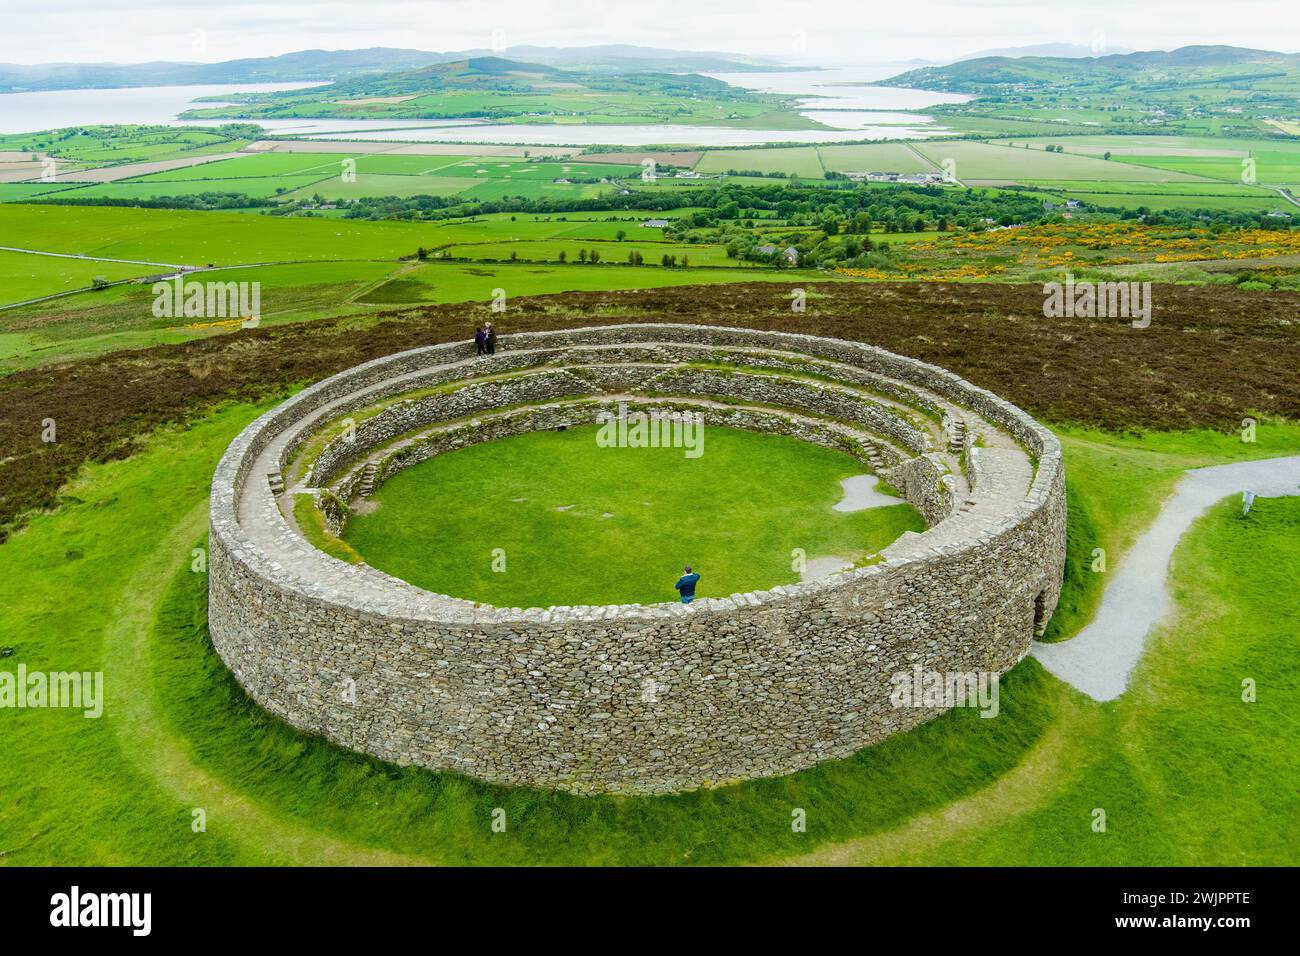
548	250
876	157
632	518
223	238
114	145
92	323
462	282
309	521
792	160
1161	200
372	184
199	238
1186	772
261	166
178	732
28	276
1270	165
302	175
23	192
1116	485
121	317
985	161
1201	190
256	188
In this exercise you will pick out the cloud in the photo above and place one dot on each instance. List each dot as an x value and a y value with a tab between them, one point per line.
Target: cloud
140	30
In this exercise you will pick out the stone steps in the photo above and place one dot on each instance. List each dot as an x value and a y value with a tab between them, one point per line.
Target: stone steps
367	480
276	480
956	436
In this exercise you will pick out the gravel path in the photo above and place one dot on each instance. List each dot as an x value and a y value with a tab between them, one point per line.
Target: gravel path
1099	659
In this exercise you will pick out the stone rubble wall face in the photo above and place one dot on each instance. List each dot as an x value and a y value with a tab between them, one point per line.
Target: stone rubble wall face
634	699
920	481
585	412
548	385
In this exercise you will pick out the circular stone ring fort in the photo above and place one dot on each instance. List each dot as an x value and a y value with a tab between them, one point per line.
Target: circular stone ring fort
632	698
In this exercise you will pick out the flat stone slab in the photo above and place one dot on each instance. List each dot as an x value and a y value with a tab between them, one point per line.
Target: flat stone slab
817	568
860	493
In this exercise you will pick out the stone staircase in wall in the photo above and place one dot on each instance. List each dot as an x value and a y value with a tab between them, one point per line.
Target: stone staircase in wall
367	484
276	480
956	436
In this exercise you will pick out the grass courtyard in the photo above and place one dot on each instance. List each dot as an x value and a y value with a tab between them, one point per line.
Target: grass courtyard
554	518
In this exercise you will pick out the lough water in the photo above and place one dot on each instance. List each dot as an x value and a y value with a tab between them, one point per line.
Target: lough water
852	112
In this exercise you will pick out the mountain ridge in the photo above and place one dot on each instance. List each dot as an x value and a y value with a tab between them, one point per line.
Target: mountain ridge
334	65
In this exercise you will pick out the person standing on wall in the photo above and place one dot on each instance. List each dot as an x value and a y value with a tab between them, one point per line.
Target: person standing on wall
491	334
686	585
480	341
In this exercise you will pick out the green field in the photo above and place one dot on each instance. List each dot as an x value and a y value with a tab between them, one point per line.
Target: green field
197	238
380	184
613	252
984	161
457	282
1266	165
877	157
585	524
349	175
311	268
178	732
114	145
793	161
27	276
121	317
1263	200
1156	172
255	187
21	192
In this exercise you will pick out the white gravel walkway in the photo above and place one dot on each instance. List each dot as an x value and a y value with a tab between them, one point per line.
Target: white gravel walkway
1099	659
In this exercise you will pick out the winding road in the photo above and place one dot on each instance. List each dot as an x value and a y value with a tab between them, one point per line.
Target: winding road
1099	659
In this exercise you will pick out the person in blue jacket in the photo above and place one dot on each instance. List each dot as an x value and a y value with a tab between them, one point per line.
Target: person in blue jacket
686	585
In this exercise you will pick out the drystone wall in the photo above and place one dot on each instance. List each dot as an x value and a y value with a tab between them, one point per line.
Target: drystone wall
631	698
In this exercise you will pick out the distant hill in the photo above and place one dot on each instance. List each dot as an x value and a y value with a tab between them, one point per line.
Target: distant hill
991	74
500	74
475	72
331	65
496	87
635	59
304	65
1069	51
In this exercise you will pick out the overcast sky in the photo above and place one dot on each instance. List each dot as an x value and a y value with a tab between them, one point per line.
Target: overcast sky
864	31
